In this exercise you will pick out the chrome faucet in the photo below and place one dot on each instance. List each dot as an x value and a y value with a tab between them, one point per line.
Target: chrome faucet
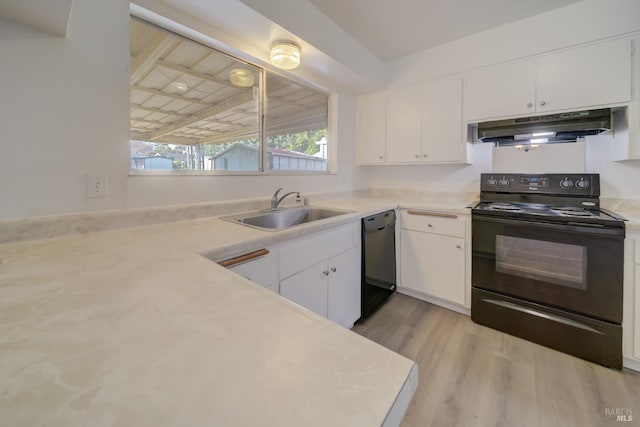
275	201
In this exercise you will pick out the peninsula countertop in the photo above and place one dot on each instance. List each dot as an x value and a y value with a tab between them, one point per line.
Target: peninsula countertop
135	326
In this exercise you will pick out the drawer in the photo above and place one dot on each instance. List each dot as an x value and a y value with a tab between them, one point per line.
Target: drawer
301	253
262	270
434	222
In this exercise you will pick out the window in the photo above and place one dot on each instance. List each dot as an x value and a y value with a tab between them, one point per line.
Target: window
194	108
296	126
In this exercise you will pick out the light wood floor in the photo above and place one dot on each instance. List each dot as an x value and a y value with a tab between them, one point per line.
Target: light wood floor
471	375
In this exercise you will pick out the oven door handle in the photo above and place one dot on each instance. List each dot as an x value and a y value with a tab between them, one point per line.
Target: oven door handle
548	316
572	227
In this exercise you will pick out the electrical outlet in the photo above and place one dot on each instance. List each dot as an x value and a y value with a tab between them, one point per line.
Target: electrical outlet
97	185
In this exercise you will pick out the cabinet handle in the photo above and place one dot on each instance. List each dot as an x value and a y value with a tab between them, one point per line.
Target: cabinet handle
230	262
425	155
381	157
417	156
334	269
326	273
426	213
429	225
459	246
530	104
543	103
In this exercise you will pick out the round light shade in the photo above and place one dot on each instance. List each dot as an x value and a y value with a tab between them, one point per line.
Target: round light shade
241	77
179	86
285	54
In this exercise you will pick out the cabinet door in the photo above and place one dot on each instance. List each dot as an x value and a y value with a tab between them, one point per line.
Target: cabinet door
636	336
585	77
308	288
499	91
404	121
442	120
344	288
433	264
372	128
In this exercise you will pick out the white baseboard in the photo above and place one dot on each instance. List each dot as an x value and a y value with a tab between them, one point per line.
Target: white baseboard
631	364
435	300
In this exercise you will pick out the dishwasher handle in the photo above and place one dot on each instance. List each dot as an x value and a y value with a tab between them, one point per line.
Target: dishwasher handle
379	222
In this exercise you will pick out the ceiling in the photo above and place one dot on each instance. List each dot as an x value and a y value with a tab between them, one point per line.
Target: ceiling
393	29
182	93
47	15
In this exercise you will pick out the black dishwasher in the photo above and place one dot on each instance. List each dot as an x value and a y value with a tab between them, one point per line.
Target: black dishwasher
378	260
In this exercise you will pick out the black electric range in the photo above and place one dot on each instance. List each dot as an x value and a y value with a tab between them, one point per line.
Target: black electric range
547	263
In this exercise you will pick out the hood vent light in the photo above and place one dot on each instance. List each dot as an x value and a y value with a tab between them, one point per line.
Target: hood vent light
547	129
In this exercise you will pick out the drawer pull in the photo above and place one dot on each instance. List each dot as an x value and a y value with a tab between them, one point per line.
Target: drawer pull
438	214
230	262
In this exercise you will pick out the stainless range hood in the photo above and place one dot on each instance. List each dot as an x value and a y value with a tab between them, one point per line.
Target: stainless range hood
549	128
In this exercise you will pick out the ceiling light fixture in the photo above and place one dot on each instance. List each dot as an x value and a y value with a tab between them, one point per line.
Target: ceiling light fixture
179	87
285	54
241	77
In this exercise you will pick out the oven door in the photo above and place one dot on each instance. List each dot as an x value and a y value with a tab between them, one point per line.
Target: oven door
571	267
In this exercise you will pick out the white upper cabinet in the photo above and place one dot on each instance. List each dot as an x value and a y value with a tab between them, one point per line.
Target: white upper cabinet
404	122
442	120
424	122
372	128
590	76
499	91
585	77
626	134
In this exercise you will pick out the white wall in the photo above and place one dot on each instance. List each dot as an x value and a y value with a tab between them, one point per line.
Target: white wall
65	114
546	158
582	22
64	111
617	179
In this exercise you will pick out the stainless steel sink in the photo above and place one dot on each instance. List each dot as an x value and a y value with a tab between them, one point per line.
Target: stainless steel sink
284	218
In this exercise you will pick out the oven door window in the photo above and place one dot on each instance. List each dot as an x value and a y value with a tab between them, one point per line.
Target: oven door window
550	262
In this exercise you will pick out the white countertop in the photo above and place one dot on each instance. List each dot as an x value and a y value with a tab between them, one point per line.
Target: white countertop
134	327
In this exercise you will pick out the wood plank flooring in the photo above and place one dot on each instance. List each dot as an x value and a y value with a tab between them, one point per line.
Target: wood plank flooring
471	375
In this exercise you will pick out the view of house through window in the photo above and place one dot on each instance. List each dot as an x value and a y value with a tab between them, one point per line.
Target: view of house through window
195	108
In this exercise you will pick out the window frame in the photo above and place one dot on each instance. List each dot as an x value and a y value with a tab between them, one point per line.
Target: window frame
174	29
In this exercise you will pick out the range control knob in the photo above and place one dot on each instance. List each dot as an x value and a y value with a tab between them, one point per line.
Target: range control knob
566	183
492	182
582	184
504	182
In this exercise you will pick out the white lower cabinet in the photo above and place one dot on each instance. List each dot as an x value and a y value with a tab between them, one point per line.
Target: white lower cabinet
308	288
329	288
433	257
343	284
433	264
631	302
321	272
636	339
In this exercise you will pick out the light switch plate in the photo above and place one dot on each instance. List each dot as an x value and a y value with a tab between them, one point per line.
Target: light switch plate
97	185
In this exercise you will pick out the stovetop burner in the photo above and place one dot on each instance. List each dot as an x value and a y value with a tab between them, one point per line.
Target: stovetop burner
504	207
544	212
571	211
